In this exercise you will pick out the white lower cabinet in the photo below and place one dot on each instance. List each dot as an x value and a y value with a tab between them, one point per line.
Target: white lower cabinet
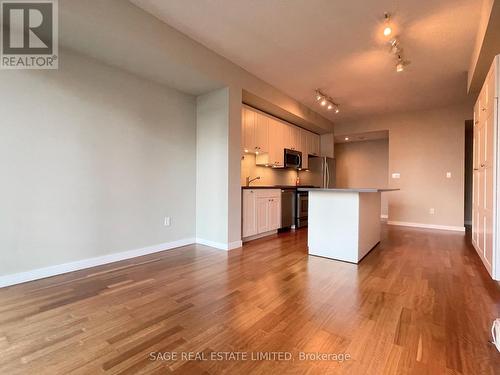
261	211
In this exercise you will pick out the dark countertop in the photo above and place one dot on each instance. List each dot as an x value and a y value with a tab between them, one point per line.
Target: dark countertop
348	190
277	187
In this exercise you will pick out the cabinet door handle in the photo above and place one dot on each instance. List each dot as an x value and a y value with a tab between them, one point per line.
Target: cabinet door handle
483	165
483	109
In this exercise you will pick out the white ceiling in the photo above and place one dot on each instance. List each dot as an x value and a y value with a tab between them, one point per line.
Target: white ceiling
337	45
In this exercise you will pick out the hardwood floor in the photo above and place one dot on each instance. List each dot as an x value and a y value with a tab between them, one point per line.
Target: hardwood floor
420	303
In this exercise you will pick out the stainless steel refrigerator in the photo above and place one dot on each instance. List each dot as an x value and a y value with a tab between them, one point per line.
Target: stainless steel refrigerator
321	173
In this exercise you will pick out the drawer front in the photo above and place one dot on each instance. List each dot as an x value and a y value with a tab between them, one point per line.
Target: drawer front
268	193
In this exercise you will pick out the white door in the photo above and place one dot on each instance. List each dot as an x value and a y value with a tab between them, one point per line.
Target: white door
274	213
262	214
249	225
303	149
276	143
482	208
261	133
248	130
313	144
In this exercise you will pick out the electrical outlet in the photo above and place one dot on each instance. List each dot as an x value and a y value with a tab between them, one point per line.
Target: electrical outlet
448	174
166	221
432	211
396	175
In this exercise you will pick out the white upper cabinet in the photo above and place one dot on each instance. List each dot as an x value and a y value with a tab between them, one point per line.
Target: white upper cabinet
261	133
248	130
267	137
303	148
277	131
254	131
292	138
313	144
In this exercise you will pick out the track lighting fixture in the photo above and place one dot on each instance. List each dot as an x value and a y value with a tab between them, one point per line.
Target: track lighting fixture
395	45
325	100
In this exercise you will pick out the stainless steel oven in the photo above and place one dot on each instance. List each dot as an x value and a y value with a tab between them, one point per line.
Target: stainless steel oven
302	208
293	159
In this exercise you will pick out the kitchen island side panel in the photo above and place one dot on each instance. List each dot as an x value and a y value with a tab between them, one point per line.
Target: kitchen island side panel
369	222
333	225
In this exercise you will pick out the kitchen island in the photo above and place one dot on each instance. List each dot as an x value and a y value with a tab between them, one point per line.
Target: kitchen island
344	224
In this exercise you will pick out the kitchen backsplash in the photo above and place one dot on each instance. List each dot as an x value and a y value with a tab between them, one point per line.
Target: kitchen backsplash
268	176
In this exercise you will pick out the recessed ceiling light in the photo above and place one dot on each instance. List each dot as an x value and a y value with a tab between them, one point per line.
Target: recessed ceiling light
323	102
337	110
346	138
399	67
329	106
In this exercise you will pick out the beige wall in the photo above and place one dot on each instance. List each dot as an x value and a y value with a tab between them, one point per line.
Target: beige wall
92	160
268	176
164	54
423	146
363	164
212	121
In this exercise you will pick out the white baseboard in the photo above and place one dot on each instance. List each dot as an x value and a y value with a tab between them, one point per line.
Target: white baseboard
235	245
41	273
219	245
427	226
382	216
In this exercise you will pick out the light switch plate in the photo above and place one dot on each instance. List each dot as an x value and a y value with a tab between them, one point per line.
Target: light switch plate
448	174
396	175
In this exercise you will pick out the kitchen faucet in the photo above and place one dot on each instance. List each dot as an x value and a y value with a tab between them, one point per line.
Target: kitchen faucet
253	179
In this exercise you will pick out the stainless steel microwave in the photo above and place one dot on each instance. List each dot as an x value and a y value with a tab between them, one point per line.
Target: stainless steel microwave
293	159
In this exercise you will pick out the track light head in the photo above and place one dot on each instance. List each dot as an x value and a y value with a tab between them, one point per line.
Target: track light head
387	28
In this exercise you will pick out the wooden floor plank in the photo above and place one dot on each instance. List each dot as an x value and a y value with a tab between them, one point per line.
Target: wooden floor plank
420	303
